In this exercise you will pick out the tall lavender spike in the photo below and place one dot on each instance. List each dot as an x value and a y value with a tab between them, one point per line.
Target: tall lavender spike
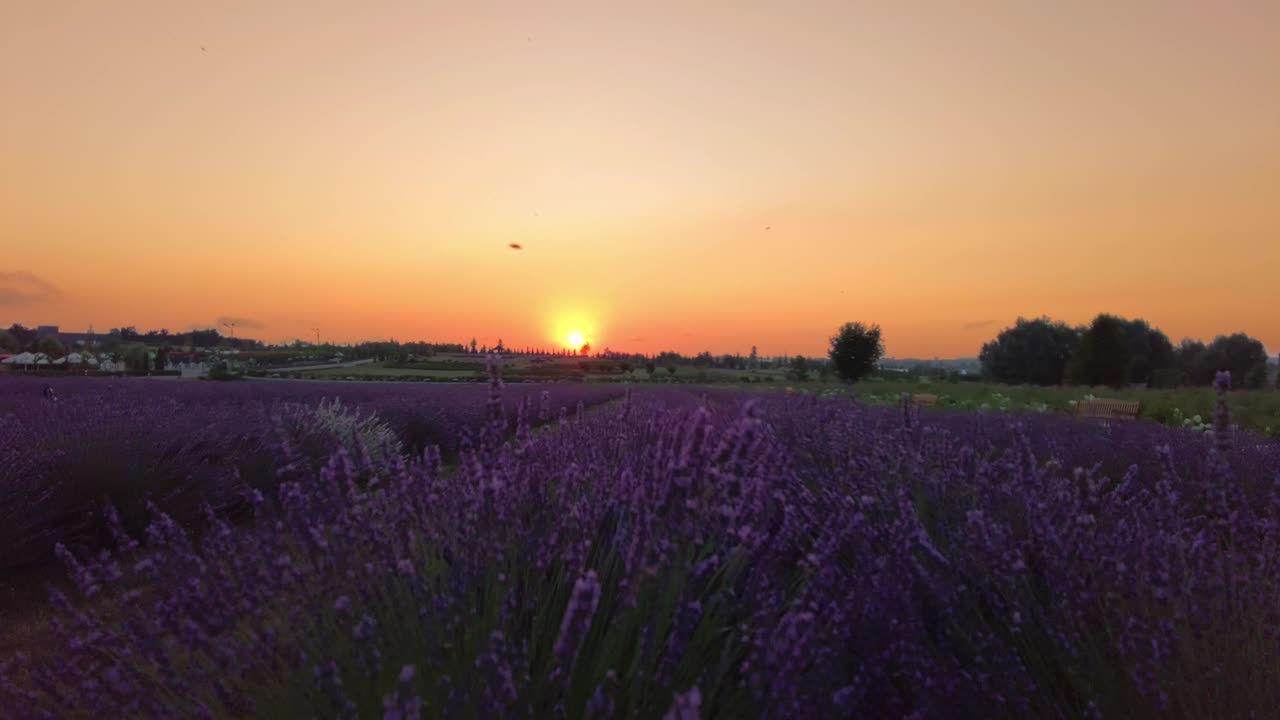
496	415
524	434
577	620
601	706
544	407
124	542
685	706
402	704
1222	412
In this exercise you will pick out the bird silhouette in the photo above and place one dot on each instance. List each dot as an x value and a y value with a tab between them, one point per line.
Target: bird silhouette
768	227
202	49
515	246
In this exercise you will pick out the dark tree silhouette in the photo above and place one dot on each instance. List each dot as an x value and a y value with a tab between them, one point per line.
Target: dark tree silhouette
799	369
1031	352
1104	356
855	350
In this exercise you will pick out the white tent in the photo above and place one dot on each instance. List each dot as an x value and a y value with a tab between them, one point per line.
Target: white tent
60	361
74	358
42	359
25	358
92	360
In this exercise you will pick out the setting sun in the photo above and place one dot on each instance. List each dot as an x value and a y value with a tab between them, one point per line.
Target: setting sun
575	340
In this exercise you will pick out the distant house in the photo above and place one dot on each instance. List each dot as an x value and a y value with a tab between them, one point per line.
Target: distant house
68	339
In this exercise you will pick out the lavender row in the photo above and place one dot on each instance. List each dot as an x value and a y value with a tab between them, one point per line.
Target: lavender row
728	557
184	443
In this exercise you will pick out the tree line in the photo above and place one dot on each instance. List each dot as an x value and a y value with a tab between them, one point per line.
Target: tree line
1116	352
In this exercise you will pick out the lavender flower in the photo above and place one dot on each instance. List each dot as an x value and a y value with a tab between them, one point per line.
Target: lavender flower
685	706
577	620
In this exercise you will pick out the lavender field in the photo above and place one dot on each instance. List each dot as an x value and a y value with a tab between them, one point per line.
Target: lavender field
264	550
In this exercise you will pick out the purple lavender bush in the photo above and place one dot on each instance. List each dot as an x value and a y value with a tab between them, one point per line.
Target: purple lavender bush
130	442
674	556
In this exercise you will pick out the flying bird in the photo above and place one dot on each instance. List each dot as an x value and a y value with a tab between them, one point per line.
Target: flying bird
515	246
768	227
202	49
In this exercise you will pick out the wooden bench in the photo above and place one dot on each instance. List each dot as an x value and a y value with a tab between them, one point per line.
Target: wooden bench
924	399
1109	409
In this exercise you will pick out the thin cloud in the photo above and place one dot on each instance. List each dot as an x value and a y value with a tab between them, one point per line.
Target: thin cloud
978	324
239	322
22	288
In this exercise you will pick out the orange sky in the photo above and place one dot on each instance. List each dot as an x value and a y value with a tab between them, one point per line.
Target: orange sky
936	169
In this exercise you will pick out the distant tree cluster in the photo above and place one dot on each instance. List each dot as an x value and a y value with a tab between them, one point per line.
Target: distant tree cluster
1032	352
1115	351
19	338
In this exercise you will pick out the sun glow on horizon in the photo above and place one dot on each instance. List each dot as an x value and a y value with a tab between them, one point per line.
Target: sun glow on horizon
572	326
720	185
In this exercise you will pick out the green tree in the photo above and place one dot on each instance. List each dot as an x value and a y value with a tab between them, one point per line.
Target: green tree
8	343
1031	352
671	369
799	369
51	346
1151	352
25	336
137	358
1104	356
855	350
650	368
1257	377
1240	354
1190	363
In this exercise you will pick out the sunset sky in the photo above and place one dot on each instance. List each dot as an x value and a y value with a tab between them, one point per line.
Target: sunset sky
680	175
